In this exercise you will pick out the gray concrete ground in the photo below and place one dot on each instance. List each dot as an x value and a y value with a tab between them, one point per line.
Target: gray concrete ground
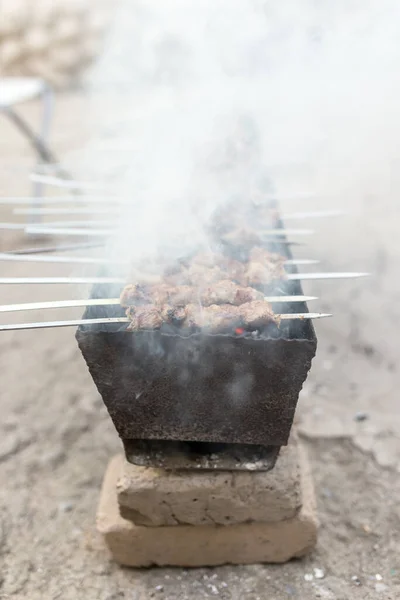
56	437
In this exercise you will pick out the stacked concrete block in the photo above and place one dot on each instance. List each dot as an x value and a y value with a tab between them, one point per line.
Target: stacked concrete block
52	39
200	518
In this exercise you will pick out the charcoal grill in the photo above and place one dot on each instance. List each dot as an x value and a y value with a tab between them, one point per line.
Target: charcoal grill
207	401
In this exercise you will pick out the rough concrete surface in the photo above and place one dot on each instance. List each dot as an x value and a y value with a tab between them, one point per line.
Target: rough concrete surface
156	497
205	545
56	436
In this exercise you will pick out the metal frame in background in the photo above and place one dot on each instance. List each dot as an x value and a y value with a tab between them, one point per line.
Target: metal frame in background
16	90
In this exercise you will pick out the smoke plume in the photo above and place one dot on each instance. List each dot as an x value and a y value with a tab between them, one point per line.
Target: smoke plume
209	97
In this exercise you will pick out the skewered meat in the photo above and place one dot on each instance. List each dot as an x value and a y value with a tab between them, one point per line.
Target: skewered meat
202	275
262	268
257	314
208	291
150	316
242	236
214	318
222	292
146	317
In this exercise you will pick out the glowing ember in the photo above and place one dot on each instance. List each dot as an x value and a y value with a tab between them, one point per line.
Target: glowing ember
239	330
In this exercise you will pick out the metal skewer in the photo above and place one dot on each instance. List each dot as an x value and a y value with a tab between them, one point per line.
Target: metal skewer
84	224
59	280
284	231
89	185
60	248
68	211
301	261
100	280
55	224
38	258
82	199
304	276
42	229
76	322
106	261
116	301
70	184
117	203
13	226
317	214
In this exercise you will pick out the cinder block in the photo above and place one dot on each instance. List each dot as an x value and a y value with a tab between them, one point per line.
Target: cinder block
205	545
155	497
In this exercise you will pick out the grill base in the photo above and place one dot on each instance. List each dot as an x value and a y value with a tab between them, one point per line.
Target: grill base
177	456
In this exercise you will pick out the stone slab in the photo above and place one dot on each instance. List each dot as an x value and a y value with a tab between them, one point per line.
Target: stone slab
155	497
205	545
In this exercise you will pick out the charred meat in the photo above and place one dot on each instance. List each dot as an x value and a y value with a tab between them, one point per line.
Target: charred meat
262	268
214	318
222	292
207	291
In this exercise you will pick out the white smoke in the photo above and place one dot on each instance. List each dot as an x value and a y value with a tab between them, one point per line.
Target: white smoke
208	95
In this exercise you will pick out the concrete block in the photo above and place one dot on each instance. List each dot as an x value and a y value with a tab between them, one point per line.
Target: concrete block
155	497
205	545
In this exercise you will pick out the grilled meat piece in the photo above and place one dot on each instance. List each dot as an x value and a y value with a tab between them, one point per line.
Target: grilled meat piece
228	292
259	254
133	294
256	314
222	292
201	275
216	318
262	268
150	316
225	317
146	317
